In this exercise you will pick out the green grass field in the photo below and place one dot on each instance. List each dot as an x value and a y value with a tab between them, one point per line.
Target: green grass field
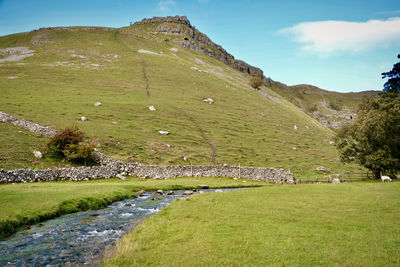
59	84
353	224
24	204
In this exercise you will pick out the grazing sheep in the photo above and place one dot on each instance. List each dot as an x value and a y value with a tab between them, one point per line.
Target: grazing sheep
386	178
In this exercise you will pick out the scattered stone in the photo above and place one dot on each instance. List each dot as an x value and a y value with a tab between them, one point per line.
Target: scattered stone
168	145
332	143
187	193
142	51
119	176
174	49
208	100
195	68
163	132
114	122
295	127
185	159
170	193
335	181
83	118
307	127
12	77
97	104
203	186
152	108
199	61
38	154
294	148
140	193
322	169
159	192
201	192
15	53
218	191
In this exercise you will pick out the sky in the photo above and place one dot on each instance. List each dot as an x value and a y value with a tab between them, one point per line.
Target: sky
338	45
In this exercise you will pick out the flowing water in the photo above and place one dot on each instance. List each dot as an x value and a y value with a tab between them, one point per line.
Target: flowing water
81	238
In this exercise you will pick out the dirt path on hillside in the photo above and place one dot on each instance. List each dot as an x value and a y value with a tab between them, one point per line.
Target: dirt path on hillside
202	134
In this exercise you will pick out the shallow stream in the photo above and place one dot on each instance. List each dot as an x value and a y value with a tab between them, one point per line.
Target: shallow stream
82	238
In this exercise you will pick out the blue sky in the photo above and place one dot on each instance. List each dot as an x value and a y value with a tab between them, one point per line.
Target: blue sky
339	45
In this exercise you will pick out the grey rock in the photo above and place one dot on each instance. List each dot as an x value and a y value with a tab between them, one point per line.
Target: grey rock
322	169
187	193
38	154
335	181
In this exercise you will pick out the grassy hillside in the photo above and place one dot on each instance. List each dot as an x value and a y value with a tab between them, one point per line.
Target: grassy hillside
332	109
72	68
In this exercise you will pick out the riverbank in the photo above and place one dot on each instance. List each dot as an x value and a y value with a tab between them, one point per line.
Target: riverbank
25	204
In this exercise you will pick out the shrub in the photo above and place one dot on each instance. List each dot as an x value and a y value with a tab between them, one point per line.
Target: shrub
256	82
68	144
70	136
80	153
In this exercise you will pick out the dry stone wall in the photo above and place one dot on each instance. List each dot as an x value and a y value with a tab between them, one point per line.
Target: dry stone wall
145	171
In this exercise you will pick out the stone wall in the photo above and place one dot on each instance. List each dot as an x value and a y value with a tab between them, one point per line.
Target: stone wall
199	42
30	126
145	171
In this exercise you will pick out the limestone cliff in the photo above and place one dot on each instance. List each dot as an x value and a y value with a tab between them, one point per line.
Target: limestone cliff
180	25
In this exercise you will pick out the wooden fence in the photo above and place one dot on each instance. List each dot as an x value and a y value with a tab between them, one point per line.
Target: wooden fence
343	177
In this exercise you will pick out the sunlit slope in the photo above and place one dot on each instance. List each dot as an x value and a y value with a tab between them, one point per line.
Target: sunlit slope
73	68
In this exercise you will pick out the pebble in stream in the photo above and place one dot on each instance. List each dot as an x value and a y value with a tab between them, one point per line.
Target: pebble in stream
81	238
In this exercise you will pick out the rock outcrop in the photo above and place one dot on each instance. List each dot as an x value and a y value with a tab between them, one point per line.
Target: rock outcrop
198	41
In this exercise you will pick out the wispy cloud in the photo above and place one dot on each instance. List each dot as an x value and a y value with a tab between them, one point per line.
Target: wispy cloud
164	5
325	38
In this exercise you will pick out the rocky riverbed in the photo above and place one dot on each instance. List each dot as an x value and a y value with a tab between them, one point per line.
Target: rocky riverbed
83	238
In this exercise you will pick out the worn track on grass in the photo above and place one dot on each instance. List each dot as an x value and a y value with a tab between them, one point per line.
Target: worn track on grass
202	134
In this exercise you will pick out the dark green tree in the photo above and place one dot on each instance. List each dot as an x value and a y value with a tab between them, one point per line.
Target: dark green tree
373	139
393	84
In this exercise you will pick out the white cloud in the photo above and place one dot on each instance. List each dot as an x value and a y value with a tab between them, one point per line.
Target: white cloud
164	5
327	37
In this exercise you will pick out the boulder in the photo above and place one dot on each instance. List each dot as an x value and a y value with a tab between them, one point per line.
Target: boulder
174	49
170	193
322	169
188	193
336	181
294	148
38	154
140	193
152	108
163	132
332	143
295	127
208	100
119	176
97	104
185	159
159	192
83	118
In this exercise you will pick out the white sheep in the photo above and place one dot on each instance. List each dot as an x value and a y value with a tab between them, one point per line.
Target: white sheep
386	178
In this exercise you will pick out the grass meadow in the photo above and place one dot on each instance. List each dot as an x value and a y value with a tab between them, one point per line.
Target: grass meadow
350	224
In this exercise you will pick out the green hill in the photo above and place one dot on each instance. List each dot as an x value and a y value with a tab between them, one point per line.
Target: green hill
132	68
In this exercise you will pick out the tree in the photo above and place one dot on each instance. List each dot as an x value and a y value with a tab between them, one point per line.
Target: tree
373	139
393	84
256	82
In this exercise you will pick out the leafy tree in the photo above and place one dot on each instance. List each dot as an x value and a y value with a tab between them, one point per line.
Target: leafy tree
393	84
256	82
373	139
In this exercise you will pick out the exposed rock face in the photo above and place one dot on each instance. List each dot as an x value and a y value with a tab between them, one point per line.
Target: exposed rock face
199	42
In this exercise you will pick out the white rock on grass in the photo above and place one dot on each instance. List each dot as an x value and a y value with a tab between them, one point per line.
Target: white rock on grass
38	154
332	143
294	148
83	118
322	169
185	159
336	181
168	145
295	127
12	77
174	49
152	108
119	176
142	51
97	104
163	132
208	100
